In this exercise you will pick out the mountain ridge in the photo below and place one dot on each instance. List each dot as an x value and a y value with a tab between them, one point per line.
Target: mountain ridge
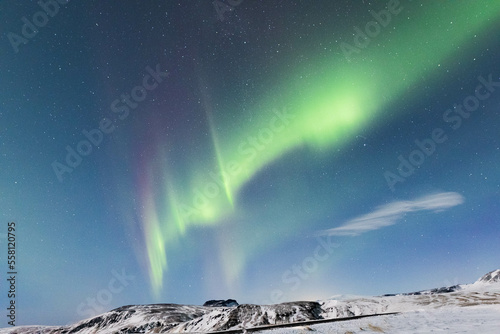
175	318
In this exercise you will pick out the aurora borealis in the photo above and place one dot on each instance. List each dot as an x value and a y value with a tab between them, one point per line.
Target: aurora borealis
337	104
273	126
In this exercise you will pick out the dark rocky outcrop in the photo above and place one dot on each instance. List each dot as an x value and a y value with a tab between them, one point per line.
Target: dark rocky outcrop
221	303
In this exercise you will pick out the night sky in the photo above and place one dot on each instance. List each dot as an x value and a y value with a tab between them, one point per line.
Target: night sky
266	151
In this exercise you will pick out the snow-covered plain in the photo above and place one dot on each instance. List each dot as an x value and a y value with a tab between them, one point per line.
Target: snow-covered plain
473	308
449	320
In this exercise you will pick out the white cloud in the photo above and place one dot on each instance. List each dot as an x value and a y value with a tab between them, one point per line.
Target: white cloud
389	214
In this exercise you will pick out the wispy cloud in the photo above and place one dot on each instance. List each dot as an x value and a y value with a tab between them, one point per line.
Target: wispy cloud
389	214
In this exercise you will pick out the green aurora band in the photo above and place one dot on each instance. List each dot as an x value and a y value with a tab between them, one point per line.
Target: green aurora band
327	110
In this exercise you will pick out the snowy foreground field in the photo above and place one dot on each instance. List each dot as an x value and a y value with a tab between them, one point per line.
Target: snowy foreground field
472	308
472	319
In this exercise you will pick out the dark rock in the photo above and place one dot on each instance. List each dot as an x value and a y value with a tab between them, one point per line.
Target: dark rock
221	303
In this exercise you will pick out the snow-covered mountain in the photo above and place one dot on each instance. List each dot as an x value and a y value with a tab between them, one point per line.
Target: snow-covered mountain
220	315
491	277
126	319
246	316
